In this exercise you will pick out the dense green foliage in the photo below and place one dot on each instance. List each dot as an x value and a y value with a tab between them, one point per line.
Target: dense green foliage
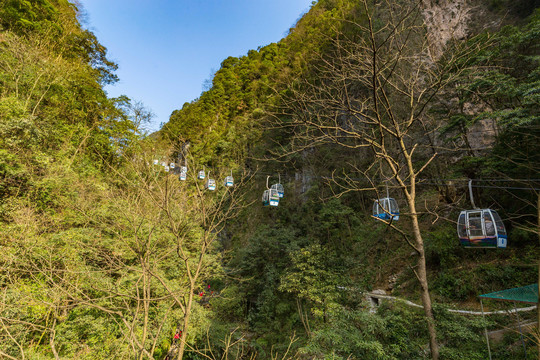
105	256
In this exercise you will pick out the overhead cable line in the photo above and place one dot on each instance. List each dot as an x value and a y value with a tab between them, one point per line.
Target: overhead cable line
437	181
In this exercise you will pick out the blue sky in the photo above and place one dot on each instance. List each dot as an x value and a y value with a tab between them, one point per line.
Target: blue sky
166	49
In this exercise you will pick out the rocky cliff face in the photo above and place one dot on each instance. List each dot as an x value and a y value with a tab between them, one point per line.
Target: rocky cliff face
445	20
448	20
451	20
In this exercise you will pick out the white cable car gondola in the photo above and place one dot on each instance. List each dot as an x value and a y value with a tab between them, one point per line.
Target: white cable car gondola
270	197
172	165
156	162
201	174
229	181
166	167
481	228
386	209
183	173
211	184
278	187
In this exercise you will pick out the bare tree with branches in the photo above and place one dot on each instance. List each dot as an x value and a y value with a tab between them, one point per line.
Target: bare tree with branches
371	95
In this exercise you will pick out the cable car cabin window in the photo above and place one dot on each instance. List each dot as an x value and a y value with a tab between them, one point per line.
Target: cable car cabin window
383	207
498	223
488	224
380	207
475	224
392	205
377	208
462	227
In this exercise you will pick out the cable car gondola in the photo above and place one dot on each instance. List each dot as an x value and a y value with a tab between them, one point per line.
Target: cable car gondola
201	174
172	165
211	184
229	181
481	228
183	173
156	162
270	196
278	187
386	209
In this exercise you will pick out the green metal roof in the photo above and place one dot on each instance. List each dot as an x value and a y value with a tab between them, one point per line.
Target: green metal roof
524	294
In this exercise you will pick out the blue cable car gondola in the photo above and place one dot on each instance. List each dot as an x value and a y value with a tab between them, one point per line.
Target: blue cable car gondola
386	209
481	228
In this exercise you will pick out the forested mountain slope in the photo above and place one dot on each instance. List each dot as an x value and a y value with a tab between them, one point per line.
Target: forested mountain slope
106	255
461	104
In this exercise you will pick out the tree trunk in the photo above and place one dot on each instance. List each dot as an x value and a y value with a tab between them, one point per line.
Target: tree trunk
538	304
422	278
146	297
186	324
52	336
